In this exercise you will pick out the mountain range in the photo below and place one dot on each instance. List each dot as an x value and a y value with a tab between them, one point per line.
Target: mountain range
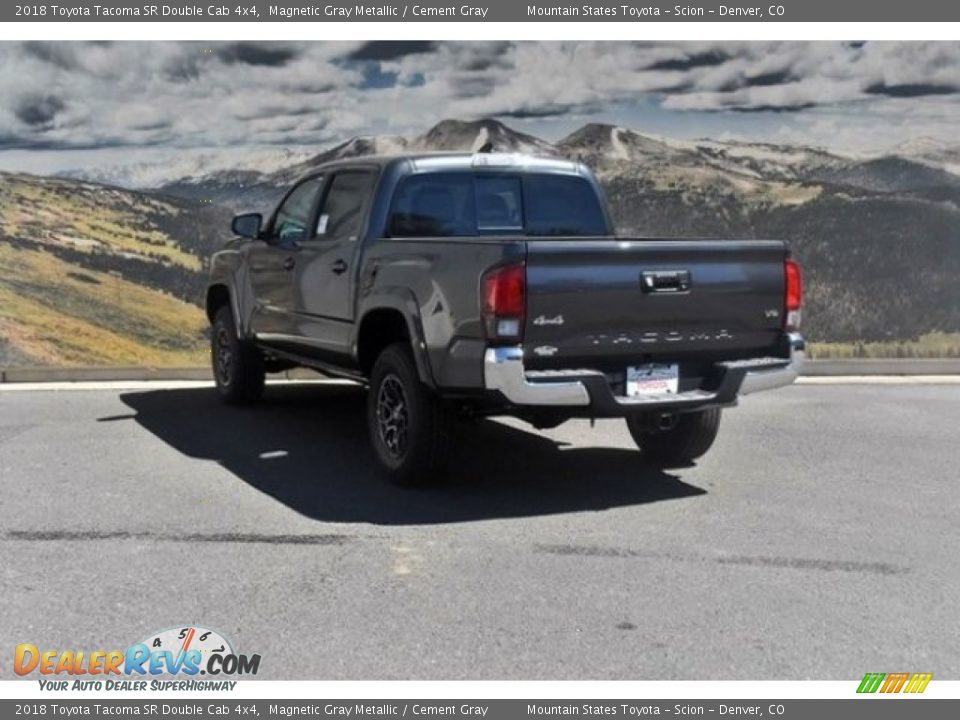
878	236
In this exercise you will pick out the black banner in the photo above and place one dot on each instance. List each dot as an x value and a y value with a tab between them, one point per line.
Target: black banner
489	11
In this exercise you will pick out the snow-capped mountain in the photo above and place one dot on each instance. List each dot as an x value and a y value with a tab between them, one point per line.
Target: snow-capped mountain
354	147
458	135
184	165
601	145
608	148
931	151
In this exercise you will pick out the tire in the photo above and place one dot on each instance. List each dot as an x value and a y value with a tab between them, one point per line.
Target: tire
237	365
686	441
410	427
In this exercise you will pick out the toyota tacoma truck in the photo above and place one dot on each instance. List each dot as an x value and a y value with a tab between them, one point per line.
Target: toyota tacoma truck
476	285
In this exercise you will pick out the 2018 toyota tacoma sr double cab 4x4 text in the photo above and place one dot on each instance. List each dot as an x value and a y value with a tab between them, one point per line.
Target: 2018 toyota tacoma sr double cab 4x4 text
460	285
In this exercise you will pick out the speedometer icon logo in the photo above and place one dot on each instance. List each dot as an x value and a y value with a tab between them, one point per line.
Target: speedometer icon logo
181	640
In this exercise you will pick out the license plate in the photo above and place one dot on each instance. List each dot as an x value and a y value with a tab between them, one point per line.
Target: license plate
652	379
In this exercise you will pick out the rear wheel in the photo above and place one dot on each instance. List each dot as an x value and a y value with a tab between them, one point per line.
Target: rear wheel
237	365
409	426
688	439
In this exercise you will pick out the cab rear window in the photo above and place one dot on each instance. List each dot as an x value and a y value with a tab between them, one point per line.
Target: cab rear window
463	204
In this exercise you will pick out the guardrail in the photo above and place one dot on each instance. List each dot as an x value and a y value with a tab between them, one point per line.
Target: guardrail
835	368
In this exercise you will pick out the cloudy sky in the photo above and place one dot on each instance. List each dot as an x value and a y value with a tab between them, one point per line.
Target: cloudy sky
66	104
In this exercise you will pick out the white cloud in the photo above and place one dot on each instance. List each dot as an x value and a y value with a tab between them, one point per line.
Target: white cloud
202	95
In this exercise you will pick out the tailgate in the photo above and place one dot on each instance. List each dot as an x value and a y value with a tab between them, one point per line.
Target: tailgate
612	299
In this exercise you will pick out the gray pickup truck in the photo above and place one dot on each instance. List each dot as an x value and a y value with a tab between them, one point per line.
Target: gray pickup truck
474	285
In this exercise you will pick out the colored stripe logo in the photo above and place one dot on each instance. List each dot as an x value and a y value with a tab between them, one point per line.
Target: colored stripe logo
894	682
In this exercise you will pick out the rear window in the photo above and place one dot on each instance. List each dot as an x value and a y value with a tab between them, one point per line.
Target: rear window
558	205
463	204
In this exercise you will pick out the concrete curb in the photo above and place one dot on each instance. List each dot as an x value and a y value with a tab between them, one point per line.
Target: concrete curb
127	374
882	366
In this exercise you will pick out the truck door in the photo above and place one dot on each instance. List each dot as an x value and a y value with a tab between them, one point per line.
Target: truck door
326	269
272	262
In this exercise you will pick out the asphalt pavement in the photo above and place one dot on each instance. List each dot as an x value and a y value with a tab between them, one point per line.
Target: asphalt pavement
819	538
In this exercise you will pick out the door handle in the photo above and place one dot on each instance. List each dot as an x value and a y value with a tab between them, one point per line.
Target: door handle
338	266
289	263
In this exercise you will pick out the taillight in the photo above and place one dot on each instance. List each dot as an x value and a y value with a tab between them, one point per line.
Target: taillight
792	293
504	298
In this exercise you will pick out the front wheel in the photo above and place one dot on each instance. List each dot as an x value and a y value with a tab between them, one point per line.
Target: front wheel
409	426
688	439
237	365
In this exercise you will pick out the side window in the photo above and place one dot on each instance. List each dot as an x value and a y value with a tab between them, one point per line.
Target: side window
342	213
293	215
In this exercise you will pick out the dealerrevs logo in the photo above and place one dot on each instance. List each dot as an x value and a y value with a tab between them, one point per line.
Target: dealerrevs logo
888	683
185	651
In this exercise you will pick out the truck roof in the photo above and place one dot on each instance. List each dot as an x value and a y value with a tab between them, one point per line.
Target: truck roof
461	161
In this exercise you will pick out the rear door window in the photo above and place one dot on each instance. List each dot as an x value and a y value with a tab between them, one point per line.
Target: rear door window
342	213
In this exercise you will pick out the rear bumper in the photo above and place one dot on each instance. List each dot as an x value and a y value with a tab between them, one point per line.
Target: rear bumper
760	379
504	373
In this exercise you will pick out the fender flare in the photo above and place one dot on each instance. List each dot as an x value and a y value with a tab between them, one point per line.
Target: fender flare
223	275
403	301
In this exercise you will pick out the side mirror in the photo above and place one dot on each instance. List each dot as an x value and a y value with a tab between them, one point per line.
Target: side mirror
247	225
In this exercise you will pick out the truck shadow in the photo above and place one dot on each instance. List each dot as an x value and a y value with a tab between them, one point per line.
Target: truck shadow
306	446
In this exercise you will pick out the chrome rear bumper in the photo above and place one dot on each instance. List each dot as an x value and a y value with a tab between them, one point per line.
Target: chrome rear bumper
503	371
760	379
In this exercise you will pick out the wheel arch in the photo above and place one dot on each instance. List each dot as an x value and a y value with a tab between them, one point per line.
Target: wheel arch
384	324
218	295
222	292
